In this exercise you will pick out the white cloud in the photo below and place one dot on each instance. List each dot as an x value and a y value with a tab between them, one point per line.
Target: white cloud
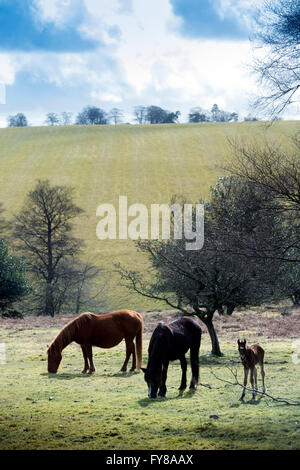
142	59
110	97
60	12
151	55
8	68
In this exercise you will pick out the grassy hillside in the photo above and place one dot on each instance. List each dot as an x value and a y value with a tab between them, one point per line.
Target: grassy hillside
148	164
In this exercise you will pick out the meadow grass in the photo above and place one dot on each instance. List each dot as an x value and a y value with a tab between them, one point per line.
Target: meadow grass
111	410
148	164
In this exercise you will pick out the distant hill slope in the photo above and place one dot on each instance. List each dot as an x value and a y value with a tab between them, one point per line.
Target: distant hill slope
148	164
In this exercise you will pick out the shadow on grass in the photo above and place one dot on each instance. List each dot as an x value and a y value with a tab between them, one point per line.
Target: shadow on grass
214	435
120	374
255	401
252	401
65	376
144	402
76	375
210	359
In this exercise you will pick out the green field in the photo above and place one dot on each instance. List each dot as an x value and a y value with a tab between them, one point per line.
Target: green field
111	410
148	164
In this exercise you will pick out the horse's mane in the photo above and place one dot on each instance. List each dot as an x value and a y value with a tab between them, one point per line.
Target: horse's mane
163	328
160	336
66	334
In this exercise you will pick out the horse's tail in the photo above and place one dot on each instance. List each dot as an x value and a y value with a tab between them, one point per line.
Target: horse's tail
139	344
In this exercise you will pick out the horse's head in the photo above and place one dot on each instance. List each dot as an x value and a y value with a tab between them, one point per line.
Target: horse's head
153	379
242	348
54	358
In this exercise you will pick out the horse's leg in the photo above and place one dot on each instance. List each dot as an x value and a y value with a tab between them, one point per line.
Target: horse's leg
252	382
86	364
195	366
262	376
90	357
183	364
163	388
246	372
255	379
133	366
129	349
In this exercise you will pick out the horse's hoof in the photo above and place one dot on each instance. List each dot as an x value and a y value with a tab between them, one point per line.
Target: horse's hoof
241	399
83	371
91	372
132	369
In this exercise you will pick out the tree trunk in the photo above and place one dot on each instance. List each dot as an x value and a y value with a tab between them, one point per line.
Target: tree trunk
49	306
296	298
77	308
49	303
216	351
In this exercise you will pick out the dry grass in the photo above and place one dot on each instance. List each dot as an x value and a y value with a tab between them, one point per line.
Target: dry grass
267	321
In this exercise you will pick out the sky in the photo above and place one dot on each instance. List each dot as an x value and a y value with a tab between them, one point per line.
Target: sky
62	55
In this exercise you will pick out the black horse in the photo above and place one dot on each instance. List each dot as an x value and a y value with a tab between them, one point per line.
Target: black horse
167	343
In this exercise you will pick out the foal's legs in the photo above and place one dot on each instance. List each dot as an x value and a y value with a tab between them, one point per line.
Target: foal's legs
246	372
130	349
252	375
262	376
183	364
255	379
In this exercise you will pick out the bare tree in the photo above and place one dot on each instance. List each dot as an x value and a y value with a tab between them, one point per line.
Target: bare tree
275	170
116	115
92	115
80	286
278	70
66	118
3	222
270	166
140	113
217	278
43	232
52	119
157	115
18	120
85	293
198	115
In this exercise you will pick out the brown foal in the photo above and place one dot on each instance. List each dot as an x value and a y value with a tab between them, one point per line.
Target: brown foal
250	356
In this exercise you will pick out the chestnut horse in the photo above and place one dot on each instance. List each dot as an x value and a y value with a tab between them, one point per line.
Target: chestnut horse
250	356
105	331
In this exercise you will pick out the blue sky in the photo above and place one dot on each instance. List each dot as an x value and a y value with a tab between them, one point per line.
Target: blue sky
22	29
60	55
207	19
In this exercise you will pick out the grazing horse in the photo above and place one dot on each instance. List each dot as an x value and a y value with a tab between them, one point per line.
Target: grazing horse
167	343
250	356
105	331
